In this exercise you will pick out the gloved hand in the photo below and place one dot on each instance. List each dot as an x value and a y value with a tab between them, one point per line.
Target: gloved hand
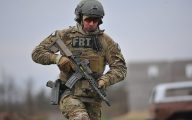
102	84
65	64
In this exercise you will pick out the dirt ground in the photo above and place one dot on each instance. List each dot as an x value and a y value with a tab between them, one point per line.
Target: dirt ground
129	116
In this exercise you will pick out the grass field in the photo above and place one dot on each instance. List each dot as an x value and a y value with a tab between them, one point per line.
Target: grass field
129	116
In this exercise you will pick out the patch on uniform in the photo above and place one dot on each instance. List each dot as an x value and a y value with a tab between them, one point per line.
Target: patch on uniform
118	47
53	34
85	42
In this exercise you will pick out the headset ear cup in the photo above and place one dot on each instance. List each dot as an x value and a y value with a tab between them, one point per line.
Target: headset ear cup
78	18
100	22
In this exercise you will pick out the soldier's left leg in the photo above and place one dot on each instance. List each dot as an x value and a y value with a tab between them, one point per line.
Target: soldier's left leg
73	109
94	110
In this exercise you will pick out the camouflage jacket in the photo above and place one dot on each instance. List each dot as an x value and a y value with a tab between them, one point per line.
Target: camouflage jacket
105	52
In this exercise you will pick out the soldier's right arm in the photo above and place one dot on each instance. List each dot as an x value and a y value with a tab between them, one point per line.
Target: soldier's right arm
42	55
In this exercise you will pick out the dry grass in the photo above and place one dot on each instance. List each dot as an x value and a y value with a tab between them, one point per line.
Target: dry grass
141	115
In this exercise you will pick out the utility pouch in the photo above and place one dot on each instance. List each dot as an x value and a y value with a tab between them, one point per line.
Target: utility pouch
96	63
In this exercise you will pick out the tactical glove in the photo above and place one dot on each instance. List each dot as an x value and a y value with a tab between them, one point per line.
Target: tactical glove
65	64
102	84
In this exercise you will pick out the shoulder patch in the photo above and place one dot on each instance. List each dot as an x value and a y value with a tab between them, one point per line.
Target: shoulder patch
53	34
118	47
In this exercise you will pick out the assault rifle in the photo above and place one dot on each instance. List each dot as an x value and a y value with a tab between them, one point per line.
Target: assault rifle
82	70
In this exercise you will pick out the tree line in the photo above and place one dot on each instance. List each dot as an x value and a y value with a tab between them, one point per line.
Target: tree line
17	99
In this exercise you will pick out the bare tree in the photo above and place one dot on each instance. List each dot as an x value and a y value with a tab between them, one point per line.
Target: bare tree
42	101
8	91
29	103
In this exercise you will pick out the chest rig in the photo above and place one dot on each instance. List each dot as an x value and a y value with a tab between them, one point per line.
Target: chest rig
86	47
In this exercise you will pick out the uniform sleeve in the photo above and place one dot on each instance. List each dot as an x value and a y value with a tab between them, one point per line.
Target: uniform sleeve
117	64
42	54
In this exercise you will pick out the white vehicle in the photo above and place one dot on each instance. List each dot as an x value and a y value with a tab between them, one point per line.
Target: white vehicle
172	101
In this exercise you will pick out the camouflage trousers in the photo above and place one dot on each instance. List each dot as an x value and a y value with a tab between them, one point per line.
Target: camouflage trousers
74	109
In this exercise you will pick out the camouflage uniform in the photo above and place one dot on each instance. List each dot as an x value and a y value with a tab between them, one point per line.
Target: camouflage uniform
81	103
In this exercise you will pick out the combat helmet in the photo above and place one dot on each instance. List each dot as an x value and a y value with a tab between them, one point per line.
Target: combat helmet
91	8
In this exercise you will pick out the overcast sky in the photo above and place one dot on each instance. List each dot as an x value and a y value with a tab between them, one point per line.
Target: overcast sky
144	29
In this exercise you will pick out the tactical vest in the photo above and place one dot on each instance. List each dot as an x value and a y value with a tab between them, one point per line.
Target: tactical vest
86	47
